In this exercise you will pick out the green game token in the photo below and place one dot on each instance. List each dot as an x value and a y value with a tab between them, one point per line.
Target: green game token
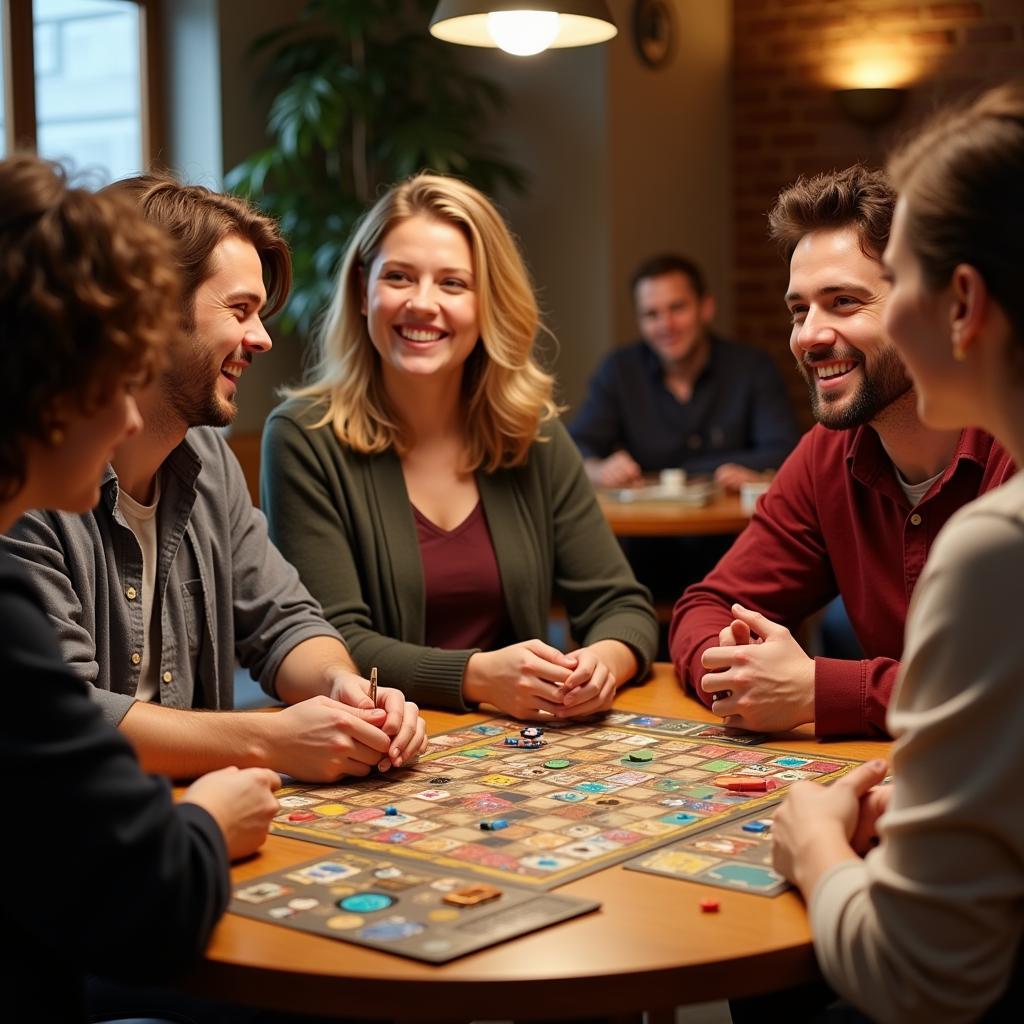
641	755
557	762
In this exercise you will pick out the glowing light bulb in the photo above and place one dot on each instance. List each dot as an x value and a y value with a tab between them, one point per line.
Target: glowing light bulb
523	33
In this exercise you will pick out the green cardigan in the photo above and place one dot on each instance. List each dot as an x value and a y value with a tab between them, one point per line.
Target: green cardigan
345	521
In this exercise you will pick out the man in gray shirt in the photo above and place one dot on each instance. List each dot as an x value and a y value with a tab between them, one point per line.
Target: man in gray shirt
171	577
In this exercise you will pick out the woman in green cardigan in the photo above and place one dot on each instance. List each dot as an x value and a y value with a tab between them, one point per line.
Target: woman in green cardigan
424	488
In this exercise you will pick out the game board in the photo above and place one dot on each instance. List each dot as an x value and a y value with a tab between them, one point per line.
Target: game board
551	814
736	856
412	910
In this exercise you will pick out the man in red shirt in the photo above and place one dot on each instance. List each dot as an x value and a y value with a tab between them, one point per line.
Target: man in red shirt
856	507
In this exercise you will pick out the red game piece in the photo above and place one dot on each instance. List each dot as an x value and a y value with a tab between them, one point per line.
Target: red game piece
709	906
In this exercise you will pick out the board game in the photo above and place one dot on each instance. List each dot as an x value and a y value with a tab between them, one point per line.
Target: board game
490	800
413	910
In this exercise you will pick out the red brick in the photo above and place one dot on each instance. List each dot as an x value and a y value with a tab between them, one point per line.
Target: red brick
938	37
892	14
766	26
793	139
958	11
981	35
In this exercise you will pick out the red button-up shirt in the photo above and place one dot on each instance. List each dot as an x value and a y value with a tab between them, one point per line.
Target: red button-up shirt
836	521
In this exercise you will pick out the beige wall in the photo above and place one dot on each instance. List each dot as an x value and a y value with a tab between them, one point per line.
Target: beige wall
625	161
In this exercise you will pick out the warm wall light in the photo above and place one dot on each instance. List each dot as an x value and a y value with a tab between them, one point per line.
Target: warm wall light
523	27
870	107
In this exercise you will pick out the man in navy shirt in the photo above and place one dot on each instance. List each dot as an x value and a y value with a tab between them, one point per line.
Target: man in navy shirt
682	397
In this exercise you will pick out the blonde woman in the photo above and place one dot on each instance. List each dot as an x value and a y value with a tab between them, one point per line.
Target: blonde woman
424	488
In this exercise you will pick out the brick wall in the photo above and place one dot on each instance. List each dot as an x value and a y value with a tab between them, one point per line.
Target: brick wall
788	57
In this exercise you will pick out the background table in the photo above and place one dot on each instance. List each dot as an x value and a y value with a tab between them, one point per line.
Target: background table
723	514
648	947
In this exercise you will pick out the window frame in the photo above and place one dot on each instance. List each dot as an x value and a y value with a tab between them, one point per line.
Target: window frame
20	77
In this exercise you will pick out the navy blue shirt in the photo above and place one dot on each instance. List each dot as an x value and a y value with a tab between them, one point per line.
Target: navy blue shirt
739	412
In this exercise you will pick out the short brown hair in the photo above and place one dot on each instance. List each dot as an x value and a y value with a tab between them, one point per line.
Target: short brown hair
962	180
855	197
198	220
670	263
88	297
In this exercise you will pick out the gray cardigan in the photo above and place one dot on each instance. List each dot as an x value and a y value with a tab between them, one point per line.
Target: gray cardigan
345	521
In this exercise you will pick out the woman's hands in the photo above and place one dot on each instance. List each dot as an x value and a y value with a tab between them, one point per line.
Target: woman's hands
533	680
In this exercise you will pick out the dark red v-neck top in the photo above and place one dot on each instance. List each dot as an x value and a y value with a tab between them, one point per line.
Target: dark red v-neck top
465	606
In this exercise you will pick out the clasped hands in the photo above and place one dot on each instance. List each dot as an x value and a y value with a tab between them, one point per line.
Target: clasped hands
533	680
345	733
761	678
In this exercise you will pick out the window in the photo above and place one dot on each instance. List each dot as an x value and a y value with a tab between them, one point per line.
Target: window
80	79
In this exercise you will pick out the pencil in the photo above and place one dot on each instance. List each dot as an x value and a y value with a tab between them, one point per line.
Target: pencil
373	685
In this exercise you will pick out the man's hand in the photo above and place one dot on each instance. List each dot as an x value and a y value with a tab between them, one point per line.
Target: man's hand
732	476
320	739
873	805
525	679
403	722
618	470
242	803
813	828
770	683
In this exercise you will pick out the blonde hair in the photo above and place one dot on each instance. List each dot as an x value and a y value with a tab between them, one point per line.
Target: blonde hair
508	395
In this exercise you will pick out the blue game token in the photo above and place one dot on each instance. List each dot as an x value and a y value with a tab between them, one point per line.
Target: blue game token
366	902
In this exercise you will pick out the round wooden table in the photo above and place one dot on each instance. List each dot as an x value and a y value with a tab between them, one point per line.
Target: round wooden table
723	514
649	947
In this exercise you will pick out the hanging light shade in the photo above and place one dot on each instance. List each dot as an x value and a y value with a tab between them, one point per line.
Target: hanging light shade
523	27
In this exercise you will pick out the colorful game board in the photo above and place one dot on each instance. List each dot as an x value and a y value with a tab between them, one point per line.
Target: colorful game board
592	796
736	856
413	910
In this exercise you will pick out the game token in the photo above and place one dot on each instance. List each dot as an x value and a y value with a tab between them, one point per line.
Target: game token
494	826
531	732
735	784
641	755
709	906
440	780
301	816
755	826
471	895
391	811
557	762
511	741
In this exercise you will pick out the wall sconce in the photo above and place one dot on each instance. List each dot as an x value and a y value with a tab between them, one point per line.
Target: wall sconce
523	27
870	108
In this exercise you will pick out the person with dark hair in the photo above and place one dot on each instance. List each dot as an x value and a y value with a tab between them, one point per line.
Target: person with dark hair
927	926
88	306
171	577
856	507
681	397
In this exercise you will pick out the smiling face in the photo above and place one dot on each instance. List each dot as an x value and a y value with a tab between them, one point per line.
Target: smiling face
836	296
671	316
202	380
918	321
420	301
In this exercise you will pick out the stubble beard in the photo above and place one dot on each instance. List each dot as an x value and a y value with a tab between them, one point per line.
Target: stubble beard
887	381
191	392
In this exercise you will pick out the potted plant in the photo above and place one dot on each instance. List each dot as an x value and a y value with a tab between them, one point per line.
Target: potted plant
360	101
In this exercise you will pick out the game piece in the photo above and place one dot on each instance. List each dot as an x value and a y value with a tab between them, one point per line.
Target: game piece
737	784
440	780
709	906
391	811
471	895
755	826
494	826
641	755
511	741
532	744
302	816
557	762
531	732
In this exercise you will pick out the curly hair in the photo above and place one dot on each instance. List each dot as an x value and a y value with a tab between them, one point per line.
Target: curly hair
198	220
88	298
508	396
855	197
961	180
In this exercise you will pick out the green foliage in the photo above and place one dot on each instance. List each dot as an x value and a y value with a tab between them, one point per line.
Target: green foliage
360	102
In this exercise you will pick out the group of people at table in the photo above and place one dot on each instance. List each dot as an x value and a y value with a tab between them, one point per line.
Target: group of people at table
423	504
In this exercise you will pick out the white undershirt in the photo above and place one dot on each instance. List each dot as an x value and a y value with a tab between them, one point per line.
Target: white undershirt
142	521
915	492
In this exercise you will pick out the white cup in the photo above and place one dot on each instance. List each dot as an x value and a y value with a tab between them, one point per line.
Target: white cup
672	481
750	492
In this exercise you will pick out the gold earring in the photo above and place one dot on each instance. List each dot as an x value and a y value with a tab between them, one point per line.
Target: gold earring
959	353
55	437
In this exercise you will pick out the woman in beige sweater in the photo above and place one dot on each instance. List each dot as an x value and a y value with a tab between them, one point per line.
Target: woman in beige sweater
928	925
